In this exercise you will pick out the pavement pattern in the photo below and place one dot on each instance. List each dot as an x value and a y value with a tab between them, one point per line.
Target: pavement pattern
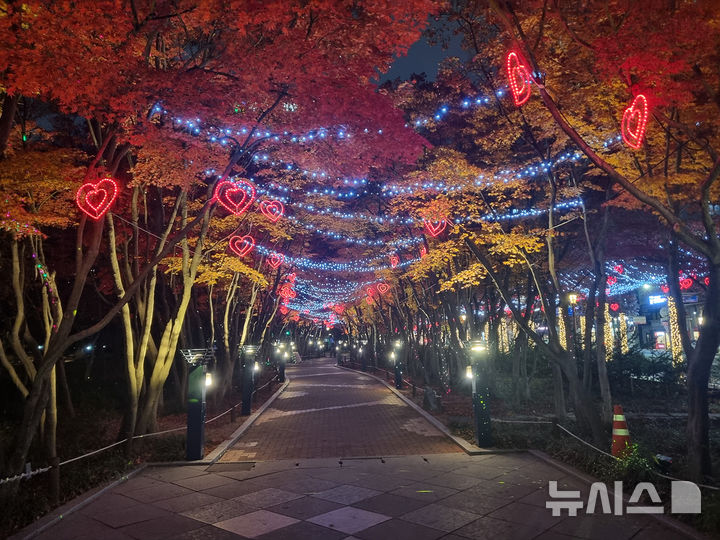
424	496
330	412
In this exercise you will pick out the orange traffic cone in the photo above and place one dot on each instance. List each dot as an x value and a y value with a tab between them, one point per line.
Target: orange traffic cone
620	433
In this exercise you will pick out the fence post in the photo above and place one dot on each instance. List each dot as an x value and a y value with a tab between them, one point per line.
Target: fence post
233	416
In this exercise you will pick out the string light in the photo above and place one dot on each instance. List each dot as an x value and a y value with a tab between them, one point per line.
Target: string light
562	336
675	341
519	78
609	336
241	246
96	199
273	210
634	122
624	348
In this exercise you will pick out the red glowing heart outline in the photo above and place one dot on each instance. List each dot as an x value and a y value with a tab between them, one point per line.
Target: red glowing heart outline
665	289
707	281
423	251
686	283
276	259
634	122
241	245
435	227
519	78
383	288
394	260
611	280
614	306
619	268
369	299
284	310
96	199
273	210
226	193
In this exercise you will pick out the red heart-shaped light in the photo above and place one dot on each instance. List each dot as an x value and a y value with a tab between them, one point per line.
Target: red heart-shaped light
686	283
95	199
235	196
394	260
619	268
423	251
291	277
611	280
634	122
241	245
369	299
273	210
614	306
707	281
276	259
519	78
665	289
383	288
340	308
435	227
284	310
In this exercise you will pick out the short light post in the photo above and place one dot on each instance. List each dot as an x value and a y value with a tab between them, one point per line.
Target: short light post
480	393
199	378
572	301
249	365
363	361
283	353
398	365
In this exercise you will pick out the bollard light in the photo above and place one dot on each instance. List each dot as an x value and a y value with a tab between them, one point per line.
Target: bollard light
208	379
468	372
256	367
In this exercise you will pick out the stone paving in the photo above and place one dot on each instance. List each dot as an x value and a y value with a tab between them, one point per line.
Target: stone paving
331	412
424	496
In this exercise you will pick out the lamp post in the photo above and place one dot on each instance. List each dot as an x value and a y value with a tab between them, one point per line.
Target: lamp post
480	393
572	300
398	366
199	378
249	364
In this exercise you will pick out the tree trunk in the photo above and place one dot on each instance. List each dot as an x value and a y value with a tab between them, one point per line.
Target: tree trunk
7	119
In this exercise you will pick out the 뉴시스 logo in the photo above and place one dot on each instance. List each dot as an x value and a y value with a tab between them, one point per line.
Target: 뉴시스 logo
684	499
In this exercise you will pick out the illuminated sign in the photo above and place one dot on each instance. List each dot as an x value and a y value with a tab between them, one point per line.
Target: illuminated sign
657	299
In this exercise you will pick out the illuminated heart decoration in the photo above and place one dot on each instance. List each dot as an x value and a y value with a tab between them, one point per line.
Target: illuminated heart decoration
241	245
614	306
291	277
296	317
519	78
435	227
394	260
634	122
276	259
273	210
686	283
423	251
284	310
383	288
96	199
236	197
707	281
611	280
665	289
619	268
306	311
287	292
340	309
369	299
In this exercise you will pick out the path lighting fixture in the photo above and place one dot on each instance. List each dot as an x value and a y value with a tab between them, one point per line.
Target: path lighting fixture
198	377
572	298
646	286
700	320
248	353
463	317
480	394
398	343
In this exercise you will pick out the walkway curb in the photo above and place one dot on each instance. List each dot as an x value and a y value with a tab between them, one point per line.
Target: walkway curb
467	447
587	479
72	506
214	456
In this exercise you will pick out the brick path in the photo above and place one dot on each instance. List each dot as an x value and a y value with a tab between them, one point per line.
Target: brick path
330	412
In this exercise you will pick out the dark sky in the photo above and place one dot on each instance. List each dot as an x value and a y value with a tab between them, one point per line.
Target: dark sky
424	58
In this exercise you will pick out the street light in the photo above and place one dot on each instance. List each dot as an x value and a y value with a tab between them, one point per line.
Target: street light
398	366
199	378
480	394
248	353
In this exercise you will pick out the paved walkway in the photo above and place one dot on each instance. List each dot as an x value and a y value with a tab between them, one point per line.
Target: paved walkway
330	412
415	497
